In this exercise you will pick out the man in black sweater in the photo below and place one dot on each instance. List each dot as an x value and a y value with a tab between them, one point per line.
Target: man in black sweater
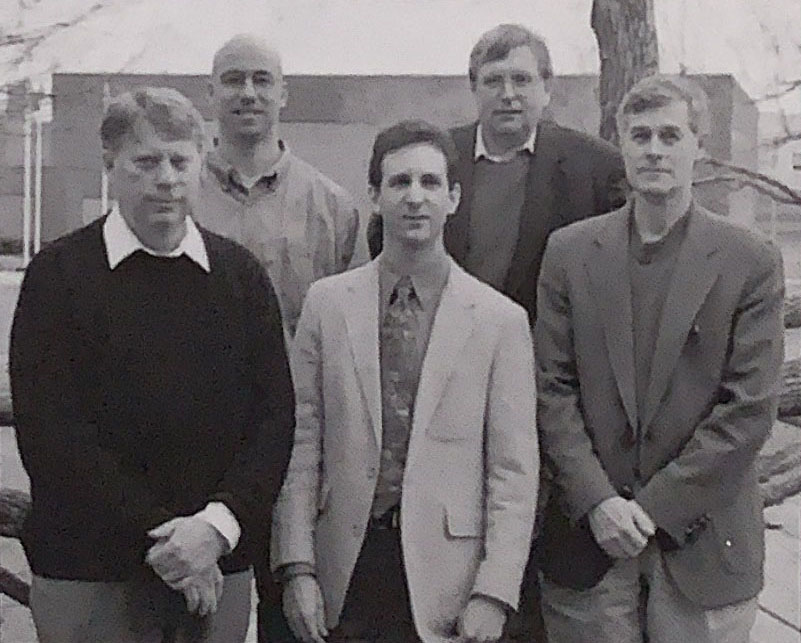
152	400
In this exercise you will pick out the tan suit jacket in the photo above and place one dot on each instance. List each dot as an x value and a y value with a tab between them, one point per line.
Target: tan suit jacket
471	478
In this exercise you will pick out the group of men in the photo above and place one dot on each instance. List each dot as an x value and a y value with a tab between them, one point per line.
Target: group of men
387	486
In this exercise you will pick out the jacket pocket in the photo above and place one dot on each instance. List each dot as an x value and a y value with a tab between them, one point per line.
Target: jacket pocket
738	538
461	522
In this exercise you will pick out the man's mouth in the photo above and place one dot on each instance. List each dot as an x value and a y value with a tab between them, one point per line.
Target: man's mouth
247	111
163	204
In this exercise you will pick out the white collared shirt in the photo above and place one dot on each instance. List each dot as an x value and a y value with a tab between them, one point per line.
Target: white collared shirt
121	243
481	149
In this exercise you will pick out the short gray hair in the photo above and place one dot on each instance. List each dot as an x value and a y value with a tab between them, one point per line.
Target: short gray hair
653	92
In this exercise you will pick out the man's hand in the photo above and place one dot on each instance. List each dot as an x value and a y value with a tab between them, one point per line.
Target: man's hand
202	592
304	609
621	527
482	620
185	547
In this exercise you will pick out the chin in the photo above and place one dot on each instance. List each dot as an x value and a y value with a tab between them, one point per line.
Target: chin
655	189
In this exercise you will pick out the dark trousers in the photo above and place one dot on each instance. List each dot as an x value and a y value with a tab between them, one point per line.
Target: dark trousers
526	624
378	601
377	608
271	624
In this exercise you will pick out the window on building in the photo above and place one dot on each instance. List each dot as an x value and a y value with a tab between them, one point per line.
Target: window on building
797	161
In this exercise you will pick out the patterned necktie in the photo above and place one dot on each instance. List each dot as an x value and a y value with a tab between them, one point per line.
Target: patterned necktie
400	365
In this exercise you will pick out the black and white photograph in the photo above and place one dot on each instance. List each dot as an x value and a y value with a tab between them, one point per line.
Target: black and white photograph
400	321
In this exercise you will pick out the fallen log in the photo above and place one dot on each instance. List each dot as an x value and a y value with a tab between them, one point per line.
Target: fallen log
792	310
14	507
790	397
779	464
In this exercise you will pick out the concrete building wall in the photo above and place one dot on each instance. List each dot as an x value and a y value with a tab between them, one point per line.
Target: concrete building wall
331	121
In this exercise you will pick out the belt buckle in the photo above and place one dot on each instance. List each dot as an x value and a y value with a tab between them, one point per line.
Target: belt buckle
390	519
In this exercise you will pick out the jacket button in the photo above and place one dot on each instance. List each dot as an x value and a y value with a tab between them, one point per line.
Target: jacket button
372	472
357	530
728	543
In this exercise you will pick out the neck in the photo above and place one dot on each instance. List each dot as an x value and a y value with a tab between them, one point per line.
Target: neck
251	157
498	144
656	216
412	258
164	239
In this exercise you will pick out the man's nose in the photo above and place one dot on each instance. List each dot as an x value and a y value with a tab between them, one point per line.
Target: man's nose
248	89
508	90
166	174
655	147
415	194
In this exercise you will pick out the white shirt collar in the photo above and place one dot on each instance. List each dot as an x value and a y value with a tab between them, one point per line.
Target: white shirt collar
121	242
481	150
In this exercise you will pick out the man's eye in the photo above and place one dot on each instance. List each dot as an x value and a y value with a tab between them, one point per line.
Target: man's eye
640	137
430	182
146	162
521	79
669	137
180	164
263	80
232	79
400	182
492	81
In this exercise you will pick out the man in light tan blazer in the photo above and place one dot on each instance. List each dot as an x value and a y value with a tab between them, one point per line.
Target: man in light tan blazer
409	503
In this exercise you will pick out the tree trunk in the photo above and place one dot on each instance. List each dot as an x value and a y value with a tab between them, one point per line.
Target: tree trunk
792	310
627	44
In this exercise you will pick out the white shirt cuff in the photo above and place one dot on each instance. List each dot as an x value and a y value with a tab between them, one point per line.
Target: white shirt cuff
223	520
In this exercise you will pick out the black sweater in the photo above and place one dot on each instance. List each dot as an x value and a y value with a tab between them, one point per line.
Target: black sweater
141	394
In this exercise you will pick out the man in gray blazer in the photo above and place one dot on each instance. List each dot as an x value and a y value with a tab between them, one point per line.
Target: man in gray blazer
659	341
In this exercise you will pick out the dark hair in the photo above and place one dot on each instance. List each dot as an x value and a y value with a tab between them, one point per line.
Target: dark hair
659	90
408	133
171	114
496	44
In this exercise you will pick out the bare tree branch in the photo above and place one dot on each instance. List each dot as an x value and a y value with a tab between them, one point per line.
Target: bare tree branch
759	181
28	41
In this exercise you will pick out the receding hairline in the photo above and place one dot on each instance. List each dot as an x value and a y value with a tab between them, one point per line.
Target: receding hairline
245	43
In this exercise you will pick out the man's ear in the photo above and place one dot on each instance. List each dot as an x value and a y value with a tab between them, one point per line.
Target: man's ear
700	154
455	196
547	86
284	93
374	192
108	160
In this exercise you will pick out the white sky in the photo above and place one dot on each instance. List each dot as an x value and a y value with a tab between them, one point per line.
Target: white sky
757	40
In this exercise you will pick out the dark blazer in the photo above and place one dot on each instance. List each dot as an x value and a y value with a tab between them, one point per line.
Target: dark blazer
571	176
107	460
710	404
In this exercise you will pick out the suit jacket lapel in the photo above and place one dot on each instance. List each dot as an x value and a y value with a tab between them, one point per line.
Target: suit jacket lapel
541	210
693	277
361	318
453	325
608	273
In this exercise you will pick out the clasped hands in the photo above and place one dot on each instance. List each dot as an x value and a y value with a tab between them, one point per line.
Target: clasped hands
481	622
185	557
621	527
